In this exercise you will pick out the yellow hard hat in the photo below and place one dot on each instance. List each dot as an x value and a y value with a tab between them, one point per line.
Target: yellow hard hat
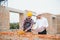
29	13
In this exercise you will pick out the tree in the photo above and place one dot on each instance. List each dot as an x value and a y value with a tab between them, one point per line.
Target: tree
14	25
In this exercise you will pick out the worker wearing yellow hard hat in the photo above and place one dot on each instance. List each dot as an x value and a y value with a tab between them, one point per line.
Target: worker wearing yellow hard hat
28	22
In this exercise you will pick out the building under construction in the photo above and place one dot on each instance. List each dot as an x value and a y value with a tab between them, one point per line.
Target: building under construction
53	20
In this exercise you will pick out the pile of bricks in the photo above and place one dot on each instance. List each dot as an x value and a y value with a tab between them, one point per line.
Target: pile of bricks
26	36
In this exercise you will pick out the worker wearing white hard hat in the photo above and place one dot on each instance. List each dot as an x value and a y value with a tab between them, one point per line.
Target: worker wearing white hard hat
41	24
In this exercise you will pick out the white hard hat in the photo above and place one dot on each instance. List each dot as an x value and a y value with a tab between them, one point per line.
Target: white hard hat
37	14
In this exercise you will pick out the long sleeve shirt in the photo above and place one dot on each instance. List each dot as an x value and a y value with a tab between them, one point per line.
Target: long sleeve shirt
41	24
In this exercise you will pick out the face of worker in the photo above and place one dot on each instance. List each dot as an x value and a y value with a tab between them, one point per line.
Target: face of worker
29	17
39	16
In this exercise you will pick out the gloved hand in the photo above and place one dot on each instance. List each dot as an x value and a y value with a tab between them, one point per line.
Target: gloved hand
21	32
25	30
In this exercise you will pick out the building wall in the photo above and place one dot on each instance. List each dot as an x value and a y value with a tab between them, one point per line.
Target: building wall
4	18
58	24
21	19
52	28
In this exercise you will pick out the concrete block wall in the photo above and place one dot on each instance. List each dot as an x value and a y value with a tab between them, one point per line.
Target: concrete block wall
52	27
21	18
4	18
54	23
58	24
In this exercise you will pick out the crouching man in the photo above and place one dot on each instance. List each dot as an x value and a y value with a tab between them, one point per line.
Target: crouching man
41	24
28	23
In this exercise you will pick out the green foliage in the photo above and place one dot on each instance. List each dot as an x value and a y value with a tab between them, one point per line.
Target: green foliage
14	25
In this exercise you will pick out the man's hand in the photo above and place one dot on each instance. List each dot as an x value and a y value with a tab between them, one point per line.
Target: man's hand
44	27
25	30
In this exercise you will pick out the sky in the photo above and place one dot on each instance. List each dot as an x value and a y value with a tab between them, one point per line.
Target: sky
38	6
14	17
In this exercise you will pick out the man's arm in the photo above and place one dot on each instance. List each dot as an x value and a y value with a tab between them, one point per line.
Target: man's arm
45	23
23	24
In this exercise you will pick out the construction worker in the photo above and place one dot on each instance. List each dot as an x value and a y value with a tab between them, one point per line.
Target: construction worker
28	22
41	25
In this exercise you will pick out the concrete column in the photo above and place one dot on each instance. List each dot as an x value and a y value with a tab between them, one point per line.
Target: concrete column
58	24
54	25
21	19
4	18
